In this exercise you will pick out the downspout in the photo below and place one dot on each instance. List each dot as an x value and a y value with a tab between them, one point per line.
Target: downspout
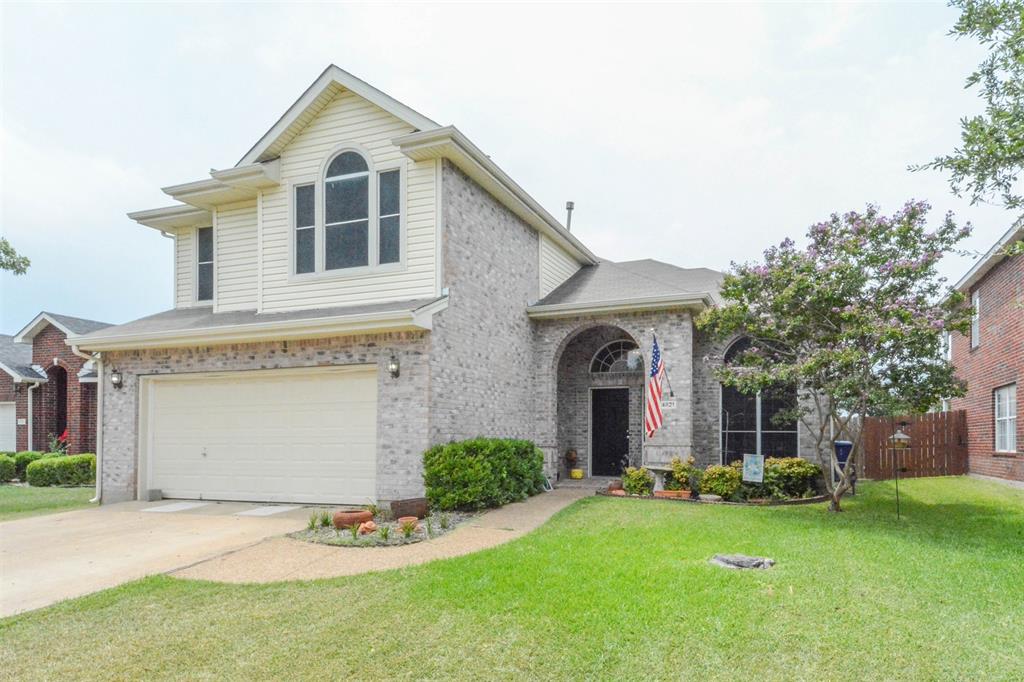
97	358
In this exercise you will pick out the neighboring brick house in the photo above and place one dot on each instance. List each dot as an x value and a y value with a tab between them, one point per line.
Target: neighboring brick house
45	388
365	283
991	360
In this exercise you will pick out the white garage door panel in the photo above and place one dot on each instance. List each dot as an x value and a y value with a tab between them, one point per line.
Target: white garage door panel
8	433
267	436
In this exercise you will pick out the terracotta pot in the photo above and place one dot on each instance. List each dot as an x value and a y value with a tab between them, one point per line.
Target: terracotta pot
367	527
347	519
617	493
615	485
404	520
416	506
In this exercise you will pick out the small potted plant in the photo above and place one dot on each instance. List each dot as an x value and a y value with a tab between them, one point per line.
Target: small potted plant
571	457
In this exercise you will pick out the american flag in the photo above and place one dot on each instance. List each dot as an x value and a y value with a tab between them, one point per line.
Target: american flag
652	413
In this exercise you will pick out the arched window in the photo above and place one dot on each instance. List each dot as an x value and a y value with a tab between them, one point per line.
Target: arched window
350	218
346	212
614	357
748	422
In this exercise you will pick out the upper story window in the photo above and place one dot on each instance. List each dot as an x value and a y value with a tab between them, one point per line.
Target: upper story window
975	319
359	224
1006	418
204	264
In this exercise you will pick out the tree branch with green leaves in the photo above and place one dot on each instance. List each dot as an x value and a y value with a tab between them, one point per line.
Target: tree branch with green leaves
855	320
10	260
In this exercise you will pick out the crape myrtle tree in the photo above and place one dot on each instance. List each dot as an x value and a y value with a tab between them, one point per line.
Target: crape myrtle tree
855	321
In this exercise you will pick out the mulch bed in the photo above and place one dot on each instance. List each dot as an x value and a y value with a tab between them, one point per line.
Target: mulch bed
433	526
749	503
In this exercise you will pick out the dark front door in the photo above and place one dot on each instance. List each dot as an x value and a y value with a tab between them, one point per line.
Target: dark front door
609	424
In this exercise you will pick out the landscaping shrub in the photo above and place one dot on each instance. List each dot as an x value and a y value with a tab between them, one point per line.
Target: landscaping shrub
637	481
6	468
482	472
682	474
785	478
789	477
62	470
23	459
720	480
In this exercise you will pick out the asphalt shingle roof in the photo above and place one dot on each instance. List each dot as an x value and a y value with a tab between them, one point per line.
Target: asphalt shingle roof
17	357
608	281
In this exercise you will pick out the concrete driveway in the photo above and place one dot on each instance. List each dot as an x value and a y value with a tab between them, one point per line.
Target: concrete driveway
45	559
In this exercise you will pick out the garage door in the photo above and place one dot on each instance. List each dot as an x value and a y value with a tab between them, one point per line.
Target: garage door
7	427
264	436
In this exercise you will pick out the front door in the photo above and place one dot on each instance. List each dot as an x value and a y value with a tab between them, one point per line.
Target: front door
609	430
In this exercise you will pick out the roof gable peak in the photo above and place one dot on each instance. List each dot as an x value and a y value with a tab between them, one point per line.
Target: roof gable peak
314	98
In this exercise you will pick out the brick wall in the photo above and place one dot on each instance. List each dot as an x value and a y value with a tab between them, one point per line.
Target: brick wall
997	361
80	401
401	416
481	360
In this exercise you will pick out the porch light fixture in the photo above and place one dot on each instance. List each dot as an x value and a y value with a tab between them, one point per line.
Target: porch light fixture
394	369
116	380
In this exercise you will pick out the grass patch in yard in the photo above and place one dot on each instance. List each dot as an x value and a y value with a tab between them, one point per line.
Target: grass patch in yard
18	501
610	588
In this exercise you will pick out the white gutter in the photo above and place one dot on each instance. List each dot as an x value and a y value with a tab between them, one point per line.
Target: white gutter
450	143
626	304
401	320
993	256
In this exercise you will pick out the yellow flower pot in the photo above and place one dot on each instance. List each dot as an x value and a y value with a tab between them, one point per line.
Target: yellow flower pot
576	474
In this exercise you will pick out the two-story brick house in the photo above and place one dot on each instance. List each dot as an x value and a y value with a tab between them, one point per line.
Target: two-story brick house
364	283
46	388
991	360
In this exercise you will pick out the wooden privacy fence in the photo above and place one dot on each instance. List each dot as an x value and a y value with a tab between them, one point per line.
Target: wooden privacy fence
938	445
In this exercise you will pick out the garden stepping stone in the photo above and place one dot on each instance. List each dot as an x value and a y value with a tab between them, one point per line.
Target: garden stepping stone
741	561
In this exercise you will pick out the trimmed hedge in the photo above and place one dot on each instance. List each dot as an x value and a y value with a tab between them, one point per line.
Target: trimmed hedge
23	459
785	478
62	470
720	480
6	468
482	472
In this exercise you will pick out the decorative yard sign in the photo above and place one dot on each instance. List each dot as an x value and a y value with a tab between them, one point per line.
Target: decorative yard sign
753	468
669	404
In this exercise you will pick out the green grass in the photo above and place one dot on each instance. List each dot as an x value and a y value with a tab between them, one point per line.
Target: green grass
18	501
610	588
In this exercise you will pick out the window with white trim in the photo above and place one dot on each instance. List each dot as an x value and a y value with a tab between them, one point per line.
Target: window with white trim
1005	399
975	319
204	264
305	229
360	224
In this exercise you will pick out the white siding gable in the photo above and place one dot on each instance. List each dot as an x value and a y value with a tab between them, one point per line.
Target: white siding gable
184	270
236	257
347	120
556	266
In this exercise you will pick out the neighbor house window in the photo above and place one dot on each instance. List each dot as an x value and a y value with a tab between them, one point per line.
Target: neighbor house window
1006	418
204	264
975	319
757	424
361	223
305	229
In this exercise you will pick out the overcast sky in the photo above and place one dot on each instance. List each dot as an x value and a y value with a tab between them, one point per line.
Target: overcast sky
693	134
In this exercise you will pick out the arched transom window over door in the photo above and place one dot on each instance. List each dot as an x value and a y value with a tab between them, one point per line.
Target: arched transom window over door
748	422
616	356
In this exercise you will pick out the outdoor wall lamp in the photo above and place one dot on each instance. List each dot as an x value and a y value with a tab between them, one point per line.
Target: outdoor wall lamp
116	380
394	369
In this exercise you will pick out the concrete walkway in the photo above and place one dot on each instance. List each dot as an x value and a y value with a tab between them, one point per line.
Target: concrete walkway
283	558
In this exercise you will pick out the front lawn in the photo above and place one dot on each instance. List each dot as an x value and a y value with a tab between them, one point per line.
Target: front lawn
610	588
17	501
